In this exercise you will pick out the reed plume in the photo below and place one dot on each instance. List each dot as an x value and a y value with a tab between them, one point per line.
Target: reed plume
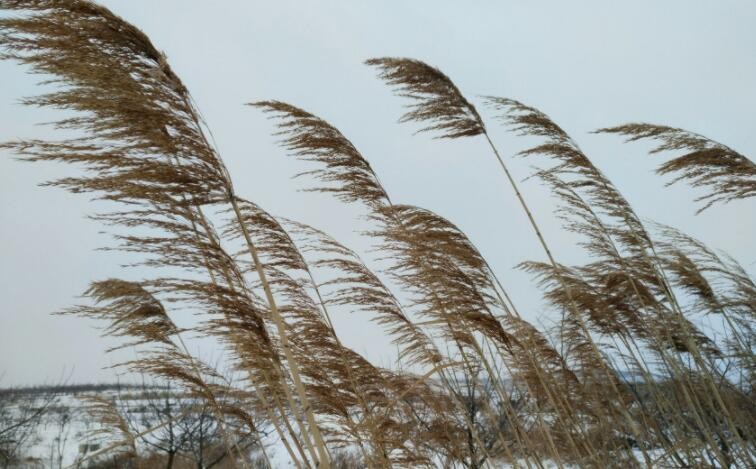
436	98
113	425
725	174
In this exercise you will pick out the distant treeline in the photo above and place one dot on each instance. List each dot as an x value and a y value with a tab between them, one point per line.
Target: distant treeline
75	388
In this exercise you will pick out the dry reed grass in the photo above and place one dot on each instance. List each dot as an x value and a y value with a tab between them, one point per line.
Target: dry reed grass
263	286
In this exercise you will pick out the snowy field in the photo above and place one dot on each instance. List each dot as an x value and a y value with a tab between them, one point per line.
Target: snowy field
64	436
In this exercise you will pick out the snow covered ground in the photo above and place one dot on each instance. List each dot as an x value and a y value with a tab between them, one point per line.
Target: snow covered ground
60	434
64	435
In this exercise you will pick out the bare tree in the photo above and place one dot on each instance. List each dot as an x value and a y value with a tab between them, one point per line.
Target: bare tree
21	413
60	417
190	431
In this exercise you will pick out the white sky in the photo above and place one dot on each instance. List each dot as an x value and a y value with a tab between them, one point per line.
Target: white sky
588	64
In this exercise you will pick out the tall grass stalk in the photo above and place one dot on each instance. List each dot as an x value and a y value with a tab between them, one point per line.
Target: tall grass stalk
629	377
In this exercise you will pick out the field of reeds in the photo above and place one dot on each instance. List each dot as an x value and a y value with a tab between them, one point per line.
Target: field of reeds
649	363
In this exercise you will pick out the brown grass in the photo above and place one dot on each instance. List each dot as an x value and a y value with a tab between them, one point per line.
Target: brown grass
479	385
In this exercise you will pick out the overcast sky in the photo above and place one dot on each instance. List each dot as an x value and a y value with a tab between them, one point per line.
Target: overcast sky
588	64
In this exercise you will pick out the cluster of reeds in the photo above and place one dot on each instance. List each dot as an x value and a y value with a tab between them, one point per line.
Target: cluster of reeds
632	375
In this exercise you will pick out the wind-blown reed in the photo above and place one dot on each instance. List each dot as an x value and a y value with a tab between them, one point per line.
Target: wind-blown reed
632	373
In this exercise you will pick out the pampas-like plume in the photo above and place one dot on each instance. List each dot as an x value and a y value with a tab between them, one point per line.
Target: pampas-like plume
437	100
113	426
718	284
573	169
311	138
436	262
356	285
726	174
135	112
130	310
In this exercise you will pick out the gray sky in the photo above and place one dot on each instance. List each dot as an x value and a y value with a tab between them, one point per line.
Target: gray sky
589	64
